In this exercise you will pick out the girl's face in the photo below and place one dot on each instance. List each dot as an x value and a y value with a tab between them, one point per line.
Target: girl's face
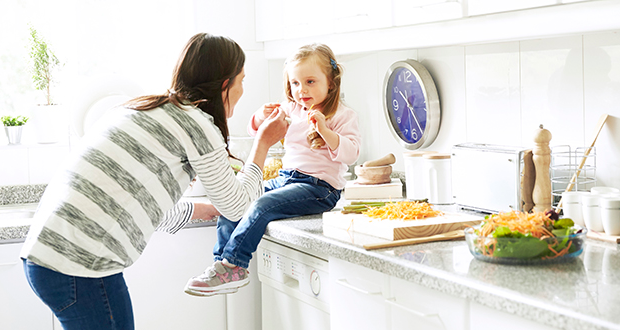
234	93
309	85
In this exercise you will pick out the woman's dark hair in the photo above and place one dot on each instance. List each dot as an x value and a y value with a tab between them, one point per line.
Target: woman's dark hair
198	78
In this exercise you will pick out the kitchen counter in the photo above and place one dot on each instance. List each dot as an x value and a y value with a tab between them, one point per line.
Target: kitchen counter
581	294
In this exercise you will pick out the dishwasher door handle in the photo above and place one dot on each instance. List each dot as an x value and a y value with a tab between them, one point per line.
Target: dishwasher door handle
346	284
392	301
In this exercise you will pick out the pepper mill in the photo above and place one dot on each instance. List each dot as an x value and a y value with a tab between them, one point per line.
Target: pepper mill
541	195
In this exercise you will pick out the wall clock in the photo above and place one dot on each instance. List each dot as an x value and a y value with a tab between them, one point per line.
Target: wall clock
411	104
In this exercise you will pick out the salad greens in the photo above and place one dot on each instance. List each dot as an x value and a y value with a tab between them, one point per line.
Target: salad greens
503	242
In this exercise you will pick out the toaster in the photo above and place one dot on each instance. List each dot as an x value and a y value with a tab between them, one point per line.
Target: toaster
486	177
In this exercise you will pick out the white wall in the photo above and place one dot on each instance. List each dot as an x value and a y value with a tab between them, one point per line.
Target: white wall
494	93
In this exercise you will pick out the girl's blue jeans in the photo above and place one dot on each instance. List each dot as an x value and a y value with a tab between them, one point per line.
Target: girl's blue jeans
289	195
81	302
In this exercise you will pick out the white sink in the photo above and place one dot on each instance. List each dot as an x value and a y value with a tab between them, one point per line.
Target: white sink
17	215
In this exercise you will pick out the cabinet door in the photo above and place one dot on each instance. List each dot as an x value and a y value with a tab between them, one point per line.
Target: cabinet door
427	309
20	308
485	318
156	282
357	297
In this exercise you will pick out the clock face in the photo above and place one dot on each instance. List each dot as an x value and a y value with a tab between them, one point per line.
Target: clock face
408	105
411	104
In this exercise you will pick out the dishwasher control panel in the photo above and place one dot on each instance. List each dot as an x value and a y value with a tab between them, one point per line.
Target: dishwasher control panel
297	270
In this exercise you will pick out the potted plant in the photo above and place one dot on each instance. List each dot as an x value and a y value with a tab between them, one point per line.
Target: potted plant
13	127
46	116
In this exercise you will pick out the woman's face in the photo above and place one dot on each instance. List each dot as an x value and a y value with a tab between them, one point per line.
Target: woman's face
309	84
234	93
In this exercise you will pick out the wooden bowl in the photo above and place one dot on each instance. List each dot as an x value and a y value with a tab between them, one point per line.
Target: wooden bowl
373	174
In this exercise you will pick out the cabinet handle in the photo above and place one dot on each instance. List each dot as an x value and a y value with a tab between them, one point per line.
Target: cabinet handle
392	301
346	284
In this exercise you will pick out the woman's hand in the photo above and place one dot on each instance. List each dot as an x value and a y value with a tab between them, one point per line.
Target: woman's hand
272	130
263	113
205	211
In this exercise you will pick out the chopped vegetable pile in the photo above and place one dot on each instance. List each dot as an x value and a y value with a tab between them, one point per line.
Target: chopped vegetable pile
404	210
526	235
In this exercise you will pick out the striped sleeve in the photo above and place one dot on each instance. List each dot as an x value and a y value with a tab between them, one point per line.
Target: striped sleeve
176	218
230	194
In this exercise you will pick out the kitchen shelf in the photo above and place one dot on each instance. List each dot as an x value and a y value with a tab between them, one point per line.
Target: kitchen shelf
542	22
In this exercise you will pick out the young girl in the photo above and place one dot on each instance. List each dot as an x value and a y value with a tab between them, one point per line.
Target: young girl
322	139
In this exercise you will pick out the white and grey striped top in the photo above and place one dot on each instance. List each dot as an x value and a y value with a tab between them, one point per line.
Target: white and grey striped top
96	216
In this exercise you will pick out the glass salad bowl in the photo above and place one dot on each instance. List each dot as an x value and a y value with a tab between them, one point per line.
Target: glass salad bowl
526	249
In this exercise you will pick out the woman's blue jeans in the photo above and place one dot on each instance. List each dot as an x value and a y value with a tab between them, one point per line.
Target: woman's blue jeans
289	195
82	303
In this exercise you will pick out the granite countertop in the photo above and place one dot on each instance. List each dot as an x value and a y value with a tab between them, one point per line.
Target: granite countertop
581	294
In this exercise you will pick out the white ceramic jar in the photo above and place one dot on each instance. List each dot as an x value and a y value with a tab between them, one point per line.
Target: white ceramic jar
610	214
438	178
571	206
590	206
604	190
414	174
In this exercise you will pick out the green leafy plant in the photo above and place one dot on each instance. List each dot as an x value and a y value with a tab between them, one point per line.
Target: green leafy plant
13	121
43	64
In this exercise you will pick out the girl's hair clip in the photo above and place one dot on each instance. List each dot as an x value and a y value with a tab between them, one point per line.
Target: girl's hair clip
334	66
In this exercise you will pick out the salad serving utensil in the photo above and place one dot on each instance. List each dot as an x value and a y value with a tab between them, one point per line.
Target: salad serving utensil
455	234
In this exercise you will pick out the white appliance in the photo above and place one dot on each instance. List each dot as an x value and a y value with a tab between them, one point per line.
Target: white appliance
487	177
295	290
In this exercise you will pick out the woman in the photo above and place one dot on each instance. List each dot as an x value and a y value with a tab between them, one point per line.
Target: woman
97	216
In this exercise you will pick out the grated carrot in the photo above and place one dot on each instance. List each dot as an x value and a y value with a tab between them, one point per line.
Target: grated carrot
535	223
403	211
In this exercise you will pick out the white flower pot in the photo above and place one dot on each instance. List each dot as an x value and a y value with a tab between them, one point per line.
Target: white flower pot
49	123
14	134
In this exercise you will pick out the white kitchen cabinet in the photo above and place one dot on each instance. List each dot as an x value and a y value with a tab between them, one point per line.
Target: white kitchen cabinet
427	309
286	19
485	318
357	297
156	282
366	299
20	308
481	7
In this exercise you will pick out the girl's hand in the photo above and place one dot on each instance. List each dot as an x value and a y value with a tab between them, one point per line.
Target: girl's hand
264	112
317	119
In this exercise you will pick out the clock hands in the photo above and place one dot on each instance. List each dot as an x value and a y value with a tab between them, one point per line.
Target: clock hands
410	107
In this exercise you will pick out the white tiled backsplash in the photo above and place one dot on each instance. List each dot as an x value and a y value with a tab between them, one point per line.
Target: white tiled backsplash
499	93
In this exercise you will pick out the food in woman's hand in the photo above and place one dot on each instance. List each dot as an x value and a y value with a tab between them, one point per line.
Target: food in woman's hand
272	166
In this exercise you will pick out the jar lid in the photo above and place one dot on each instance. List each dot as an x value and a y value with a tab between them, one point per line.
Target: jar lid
604	190
610	202
573	196
418	153
436	156
590	200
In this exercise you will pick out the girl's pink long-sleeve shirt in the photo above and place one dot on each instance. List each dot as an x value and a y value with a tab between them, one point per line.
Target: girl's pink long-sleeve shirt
323	163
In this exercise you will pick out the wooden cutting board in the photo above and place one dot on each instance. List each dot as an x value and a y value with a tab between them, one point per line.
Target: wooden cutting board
399	229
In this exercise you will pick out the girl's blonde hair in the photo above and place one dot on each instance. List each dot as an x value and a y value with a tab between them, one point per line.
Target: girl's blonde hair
323	56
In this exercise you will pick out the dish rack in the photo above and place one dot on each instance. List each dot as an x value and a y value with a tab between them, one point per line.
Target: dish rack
564	163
